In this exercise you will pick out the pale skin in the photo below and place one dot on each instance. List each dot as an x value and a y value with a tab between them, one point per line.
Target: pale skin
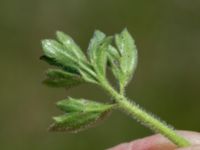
158	142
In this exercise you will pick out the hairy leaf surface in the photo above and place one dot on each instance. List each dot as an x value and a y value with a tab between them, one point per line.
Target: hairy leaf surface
70	45
59	78
79	114
128	60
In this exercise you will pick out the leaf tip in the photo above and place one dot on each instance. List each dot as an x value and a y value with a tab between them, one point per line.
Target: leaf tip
60	35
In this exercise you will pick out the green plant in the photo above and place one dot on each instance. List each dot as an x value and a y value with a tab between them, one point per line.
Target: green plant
75	68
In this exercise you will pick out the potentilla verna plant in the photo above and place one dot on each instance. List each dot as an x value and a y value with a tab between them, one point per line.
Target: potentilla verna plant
119	54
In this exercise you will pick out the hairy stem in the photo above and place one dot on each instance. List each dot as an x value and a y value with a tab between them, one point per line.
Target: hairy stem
121	90
145	118
151	122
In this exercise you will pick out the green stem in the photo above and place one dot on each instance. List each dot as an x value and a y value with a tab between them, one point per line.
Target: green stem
146	119
151	122
121	90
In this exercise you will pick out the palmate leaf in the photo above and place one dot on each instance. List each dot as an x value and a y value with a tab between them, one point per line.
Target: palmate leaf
59	78
68	56
128	52
79	114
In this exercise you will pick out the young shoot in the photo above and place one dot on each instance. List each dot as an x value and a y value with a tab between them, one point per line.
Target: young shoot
119	54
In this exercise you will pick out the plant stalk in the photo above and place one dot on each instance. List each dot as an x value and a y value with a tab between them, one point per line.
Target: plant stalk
148	120
151	122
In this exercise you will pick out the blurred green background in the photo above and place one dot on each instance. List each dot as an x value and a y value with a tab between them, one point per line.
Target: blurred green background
167	81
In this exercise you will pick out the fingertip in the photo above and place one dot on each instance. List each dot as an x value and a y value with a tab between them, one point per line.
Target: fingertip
158	142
